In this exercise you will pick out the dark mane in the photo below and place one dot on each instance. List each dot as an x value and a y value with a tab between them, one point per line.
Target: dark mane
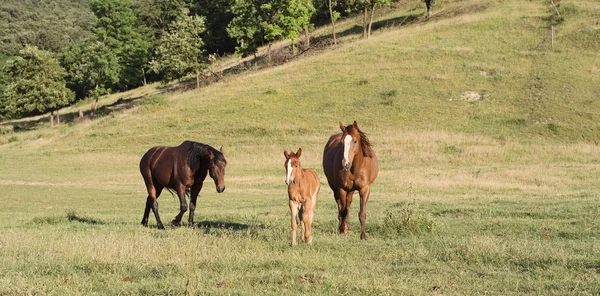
200	151
364	141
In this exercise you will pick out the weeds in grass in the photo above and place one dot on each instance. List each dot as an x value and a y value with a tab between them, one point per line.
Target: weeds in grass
409	218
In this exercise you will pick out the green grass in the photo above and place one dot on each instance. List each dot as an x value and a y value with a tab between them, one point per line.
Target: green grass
497	195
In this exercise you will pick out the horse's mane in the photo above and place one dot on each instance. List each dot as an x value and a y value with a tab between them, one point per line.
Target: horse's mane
199	150
364	142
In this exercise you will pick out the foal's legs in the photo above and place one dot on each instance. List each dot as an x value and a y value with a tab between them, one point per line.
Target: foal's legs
301	214
307	218
182	205
362	215
193	198
294	210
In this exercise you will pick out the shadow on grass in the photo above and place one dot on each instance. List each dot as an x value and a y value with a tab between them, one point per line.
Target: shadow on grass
74	116
222	225
72	216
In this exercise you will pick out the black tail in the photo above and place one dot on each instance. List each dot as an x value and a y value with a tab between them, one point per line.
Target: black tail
188	192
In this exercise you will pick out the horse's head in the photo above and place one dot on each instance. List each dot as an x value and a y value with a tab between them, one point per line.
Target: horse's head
292	165
216	169
351	137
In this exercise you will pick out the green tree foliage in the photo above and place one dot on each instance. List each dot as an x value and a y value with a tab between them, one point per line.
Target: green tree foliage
37	83
48	24
180	52
217	15
155	17
117	27
4	114
296	17
260	21
91	67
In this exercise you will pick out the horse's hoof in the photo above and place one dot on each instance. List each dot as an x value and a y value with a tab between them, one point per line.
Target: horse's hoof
175	223
145	223
191	225
363	236
160	226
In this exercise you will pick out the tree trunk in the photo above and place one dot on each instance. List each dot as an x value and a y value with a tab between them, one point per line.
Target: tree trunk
144	76
307	35
428	4
80	113
365	23
57	117
197	79
94	105
332	22
51	118
269	53
371	21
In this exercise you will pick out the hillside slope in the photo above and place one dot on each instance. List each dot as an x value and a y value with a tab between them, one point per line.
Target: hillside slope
477	67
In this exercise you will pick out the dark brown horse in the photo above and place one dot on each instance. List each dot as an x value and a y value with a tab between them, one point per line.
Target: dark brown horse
350	164
182	170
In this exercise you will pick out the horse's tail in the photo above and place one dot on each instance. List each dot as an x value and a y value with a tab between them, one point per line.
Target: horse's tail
188	192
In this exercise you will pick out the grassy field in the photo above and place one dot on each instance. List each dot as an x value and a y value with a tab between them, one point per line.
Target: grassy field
487	138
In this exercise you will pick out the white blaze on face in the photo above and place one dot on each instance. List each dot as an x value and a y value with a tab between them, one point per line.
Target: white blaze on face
288	172
347	141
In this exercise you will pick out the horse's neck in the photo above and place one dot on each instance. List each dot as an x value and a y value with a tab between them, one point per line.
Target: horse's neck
358	158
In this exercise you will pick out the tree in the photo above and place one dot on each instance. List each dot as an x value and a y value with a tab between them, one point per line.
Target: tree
368	9
429	5
217	15
92	69
295	18
49	25
180	50
260	21
334	15
117	27
37	83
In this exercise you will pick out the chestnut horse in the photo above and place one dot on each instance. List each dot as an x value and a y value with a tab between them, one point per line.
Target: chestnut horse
350	164
182	170
303	188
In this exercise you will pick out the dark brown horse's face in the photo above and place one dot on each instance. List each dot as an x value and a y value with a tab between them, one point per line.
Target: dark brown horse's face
216	170
292	165
350	140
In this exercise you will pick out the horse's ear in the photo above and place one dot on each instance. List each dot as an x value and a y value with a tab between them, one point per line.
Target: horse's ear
355	125
221	149
299	152
286	154
211	156
342	127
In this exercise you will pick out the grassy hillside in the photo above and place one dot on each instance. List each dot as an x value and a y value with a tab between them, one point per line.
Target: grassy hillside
489	163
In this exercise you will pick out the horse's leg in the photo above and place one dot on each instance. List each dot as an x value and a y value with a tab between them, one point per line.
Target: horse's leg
338	201
301	214
344	201
149	200
349	196
153	201
193	198
294	210
307	218
362	215
182	205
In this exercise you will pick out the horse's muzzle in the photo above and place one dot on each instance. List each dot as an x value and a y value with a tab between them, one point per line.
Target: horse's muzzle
346	166
220	189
